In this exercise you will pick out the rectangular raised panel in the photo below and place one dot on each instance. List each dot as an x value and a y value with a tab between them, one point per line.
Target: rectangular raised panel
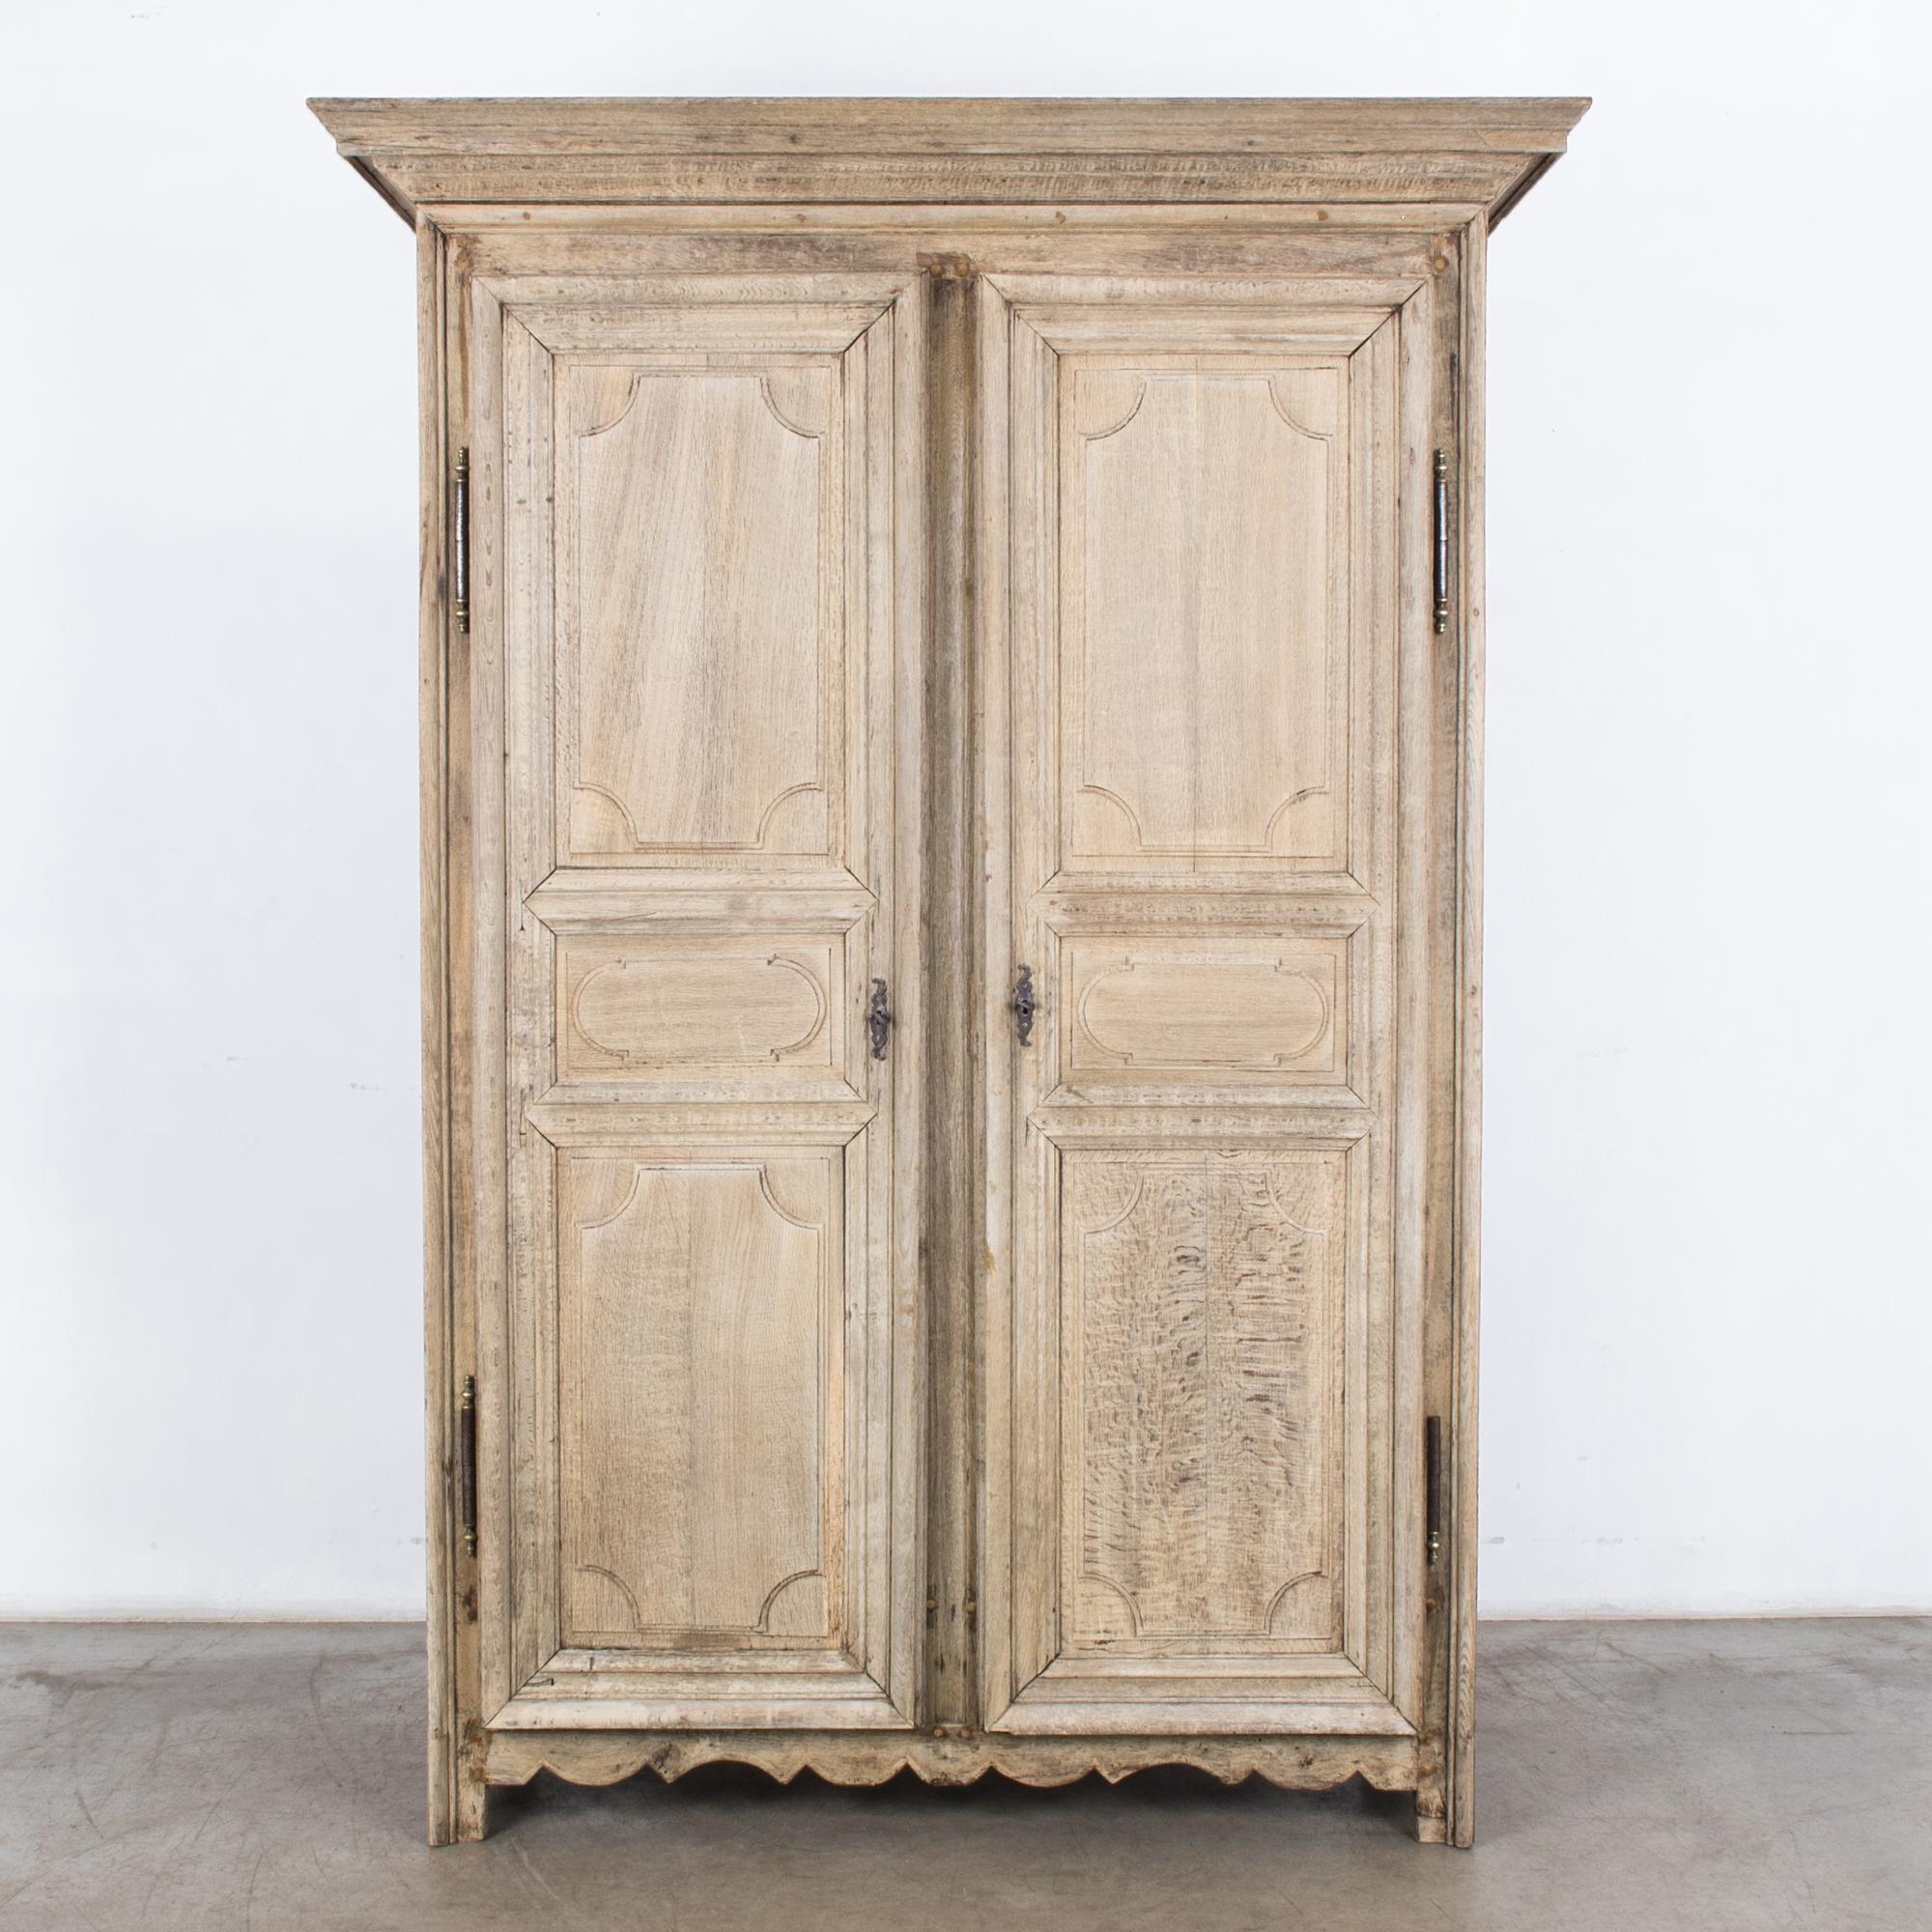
701	1375
704	542
1201	1389
1185	1009
1204	584
763	1012
1201	1300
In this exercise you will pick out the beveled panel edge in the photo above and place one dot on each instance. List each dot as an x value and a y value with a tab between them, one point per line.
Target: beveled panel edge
1156	1082
1046	1716
641	900
780	1069
1179	1127
1490	150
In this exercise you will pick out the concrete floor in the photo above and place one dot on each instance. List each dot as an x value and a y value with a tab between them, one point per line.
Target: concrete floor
1641	1776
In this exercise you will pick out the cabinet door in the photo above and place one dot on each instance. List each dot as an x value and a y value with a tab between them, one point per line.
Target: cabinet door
697	1387
1203	1383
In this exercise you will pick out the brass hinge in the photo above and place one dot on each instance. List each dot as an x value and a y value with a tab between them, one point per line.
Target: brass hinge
1431	1461
465	1463
459	539
1441	541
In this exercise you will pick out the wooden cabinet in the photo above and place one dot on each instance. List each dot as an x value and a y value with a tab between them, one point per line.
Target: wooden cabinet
952	692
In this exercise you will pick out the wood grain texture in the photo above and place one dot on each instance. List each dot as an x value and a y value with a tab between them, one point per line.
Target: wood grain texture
702	1366
909	539
587	150
1471	391
951	915
696	1015
1185	1456
439	1383
698	1350
1204	581
1202	1307
1173	1011
701	563
1296	1764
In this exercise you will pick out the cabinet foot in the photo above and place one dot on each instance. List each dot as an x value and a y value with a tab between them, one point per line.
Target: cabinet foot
472	1812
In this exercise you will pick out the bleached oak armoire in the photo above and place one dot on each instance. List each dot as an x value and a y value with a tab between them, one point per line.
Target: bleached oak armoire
952	672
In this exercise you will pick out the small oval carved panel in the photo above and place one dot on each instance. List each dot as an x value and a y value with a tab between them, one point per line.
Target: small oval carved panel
1137	1012
647	1008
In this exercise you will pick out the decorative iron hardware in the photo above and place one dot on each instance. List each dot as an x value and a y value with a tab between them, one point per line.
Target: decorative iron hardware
1432	1458
878	1019
1441	541
1023	1005
466	1463
459	539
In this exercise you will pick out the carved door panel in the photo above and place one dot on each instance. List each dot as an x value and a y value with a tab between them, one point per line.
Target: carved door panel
690	616
1202	1342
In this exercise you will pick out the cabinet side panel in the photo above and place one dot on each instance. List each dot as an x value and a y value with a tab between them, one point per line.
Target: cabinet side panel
1434	835
1462	1750
432	713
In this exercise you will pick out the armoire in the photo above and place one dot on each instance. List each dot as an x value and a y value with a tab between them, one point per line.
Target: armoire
951	669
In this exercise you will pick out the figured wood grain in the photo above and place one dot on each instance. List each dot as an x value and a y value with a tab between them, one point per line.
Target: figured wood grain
1202	1302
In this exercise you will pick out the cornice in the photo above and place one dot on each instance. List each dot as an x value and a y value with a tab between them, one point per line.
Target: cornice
932	153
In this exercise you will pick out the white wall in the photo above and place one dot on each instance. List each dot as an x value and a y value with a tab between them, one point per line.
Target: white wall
1705	1315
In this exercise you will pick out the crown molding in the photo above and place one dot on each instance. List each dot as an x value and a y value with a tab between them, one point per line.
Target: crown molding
672	151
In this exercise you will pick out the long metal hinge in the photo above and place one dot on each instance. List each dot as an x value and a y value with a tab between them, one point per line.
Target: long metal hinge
465	1463
459	539
1441	541
1431	1461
